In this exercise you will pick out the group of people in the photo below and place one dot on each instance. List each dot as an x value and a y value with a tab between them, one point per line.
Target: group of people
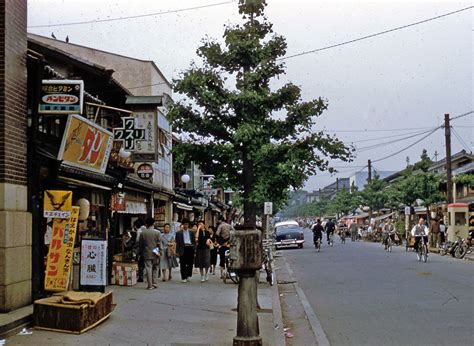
318	230
194	244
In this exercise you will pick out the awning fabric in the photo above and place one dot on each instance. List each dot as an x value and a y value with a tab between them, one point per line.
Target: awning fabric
183	206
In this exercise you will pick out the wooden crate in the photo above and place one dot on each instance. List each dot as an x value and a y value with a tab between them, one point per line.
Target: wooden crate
50	314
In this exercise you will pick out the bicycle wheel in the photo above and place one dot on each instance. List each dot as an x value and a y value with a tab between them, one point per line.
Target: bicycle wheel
234	277
460	251
425	253
389	244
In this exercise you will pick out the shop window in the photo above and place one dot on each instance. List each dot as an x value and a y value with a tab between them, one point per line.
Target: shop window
460	219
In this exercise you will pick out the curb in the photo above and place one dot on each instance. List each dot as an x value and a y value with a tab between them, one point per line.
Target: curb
278	332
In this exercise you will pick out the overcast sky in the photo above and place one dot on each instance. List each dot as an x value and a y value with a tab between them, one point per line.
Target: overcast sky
403	81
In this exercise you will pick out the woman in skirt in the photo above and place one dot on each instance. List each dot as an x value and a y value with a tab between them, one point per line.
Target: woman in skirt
203	253
168	256
213	249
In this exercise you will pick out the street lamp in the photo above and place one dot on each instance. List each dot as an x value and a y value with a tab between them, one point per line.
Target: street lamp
185	178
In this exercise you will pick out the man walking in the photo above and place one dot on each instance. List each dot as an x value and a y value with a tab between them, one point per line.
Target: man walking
149	243
185	243
434	233
330	228
223	237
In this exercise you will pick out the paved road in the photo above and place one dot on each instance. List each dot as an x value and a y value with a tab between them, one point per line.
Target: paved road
363	295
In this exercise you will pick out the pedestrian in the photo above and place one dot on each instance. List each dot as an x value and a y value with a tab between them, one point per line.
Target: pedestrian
223	237
213	248
434	233
330	228
442	231
138	228
168	258
203	251
185	243
150	240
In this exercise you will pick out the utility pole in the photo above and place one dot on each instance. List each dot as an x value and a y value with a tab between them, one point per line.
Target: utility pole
369	165
337	184
447	135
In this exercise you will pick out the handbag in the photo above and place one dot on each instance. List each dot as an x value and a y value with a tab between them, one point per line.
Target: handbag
171	249
210	244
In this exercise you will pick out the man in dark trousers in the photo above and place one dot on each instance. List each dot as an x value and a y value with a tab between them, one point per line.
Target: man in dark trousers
223	237
330	228
185	243
150	240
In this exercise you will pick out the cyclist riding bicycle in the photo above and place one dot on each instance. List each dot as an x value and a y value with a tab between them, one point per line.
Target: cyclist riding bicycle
418	231
388	231
330	228
318	230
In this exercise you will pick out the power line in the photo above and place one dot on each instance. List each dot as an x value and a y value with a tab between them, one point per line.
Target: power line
461	115
386	137
381	130
376	34
407	147
378	145
460	139
132	17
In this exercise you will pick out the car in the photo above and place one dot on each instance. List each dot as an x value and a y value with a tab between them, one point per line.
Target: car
288	234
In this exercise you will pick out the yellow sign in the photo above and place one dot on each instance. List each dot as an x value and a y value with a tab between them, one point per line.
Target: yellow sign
59	261
85	144
57	204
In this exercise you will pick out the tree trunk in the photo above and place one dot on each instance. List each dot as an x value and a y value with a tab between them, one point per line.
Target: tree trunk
250	218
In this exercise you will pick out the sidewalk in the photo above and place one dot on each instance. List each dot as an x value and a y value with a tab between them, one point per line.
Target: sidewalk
176	313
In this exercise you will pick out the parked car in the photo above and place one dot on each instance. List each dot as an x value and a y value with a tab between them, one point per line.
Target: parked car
288	234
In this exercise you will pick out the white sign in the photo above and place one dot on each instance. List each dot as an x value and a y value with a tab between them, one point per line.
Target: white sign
268	208
93	262
407	210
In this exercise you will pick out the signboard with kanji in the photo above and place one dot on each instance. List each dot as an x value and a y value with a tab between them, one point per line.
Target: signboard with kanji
85	144
59	261
138	133
61	97
93	262
57	204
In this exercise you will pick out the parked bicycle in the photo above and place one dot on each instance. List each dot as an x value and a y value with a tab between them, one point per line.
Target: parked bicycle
268	245
228	272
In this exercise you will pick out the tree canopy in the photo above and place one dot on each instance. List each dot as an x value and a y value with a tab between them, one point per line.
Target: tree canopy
254	138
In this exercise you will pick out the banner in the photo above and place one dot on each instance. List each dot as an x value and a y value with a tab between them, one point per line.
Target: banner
59	261
57	204
93	262
85	144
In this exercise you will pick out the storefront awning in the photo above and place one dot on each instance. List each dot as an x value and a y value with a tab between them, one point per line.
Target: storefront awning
133	207
183	206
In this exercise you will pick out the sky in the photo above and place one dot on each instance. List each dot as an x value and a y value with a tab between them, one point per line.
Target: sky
384	93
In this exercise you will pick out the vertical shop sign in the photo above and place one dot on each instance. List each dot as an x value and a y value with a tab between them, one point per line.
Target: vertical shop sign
93	262
59	261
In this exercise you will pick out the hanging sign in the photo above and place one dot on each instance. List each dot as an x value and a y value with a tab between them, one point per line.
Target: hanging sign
57	204
85	144
145	171
93	262
61	97
59	260
138	133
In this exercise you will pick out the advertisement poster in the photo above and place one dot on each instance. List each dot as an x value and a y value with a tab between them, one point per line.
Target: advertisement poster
57	204
93	262
59	261
85	145
61	97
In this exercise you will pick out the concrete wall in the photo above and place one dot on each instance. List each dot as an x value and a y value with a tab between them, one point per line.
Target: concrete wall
15	221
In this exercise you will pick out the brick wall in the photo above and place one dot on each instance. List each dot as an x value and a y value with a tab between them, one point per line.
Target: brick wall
13	117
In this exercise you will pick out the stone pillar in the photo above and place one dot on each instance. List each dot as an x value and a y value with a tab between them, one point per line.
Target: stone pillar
15	220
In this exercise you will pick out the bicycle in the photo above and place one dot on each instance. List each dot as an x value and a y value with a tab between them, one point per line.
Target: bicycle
229	273
331	239
268	260
317	243
389	243
422	251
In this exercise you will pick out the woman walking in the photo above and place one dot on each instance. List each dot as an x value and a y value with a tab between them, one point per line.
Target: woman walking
168	257
203	253
213	248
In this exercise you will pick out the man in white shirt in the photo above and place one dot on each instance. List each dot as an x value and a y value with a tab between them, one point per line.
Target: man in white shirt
418	231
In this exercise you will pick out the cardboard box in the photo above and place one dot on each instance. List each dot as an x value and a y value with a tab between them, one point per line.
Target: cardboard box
124	274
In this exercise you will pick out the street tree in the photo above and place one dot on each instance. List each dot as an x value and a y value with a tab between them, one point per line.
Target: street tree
256	139
373	195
